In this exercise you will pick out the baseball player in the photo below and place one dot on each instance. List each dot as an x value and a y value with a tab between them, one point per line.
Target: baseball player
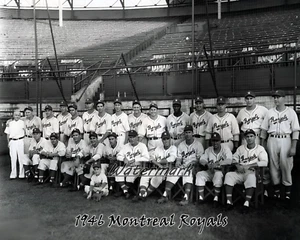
87	118
101	123
76	154
15	131
246	159
74	122
31	122
37	146
62	120
225	124
50	123
98	185
136	120
133	154
119	122
154	126
282	126
199	120
176	123
49	157
251	117
164	158
215	158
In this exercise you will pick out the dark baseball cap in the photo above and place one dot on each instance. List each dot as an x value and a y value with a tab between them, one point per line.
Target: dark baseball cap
72	105
75	130
176	102
198	100
36	130
153	104
100	102
117	100
53	135
112	134
93	134
188	128
136	102
132	133
48	107
28	108
63	104
249	131
221	100
278	93
97	164
165	135
250	93
88	101
216	137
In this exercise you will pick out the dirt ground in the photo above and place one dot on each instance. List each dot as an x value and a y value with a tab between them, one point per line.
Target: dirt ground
41	212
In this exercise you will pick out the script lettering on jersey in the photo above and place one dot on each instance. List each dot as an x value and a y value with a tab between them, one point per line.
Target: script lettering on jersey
73	125
116	123
211	161
131	155
251	119
100	124
279	120
135	125
63	122
45	125
160	158
31	127
199	124
98	184
175	125
75	151
220	126
39	149
88	121
247	159
187	154
153	128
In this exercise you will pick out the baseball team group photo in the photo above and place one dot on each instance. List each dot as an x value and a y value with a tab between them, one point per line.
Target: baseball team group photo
175	119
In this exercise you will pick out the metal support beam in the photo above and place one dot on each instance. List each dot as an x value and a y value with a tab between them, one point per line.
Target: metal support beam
70	3
122	3
18	3
168	2
88	3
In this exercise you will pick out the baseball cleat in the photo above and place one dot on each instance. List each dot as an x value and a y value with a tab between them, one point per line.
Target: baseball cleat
127	195
183	202
162	200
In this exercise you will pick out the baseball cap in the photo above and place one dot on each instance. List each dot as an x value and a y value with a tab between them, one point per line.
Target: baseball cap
75	130
36	130
199	100
63	104
278	93
132	133
97	164
250	93
53	135
112	134
221	100
215	137
93	134
118	100
88	101
28	108
176	102
165	135
249	131
136	102
48	107
72	105
100	101
153	104
188	128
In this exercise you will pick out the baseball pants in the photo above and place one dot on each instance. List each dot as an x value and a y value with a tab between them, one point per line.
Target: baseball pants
16	152
248	178
50	164
129	174
154	143
210	176
228	144
96	189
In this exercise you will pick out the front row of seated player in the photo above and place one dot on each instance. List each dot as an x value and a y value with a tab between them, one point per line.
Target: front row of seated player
169	164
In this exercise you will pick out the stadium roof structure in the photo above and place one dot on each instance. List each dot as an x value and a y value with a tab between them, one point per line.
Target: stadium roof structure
95	4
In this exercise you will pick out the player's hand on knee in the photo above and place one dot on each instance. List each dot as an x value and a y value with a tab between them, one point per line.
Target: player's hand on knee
292	152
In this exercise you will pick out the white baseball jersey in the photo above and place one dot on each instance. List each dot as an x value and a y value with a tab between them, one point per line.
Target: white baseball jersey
97	181
60	148
119	123
154	128
62	120
189	154
251	119
35	122
80	149
15	129
136	123
132	155
96	152
199	122
176	125
284	122
72	124
87	119
161	153
245	156
39	146
226	126
210	158
50	125
101	125
108	150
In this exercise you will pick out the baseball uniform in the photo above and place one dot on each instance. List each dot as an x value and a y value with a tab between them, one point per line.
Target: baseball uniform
199	123
49	125
101	125
87	119
136	123
62	120
120	125
72	124
175	126
96	154
39	146
97	181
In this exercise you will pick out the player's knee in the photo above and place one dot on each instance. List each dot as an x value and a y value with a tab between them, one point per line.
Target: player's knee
229	179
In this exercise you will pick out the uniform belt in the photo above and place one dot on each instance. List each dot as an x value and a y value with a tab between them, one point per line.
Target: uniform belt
279	136
100	135
28	136
46	138
153	138
61	133
176	138
198	136
225	141
15	139
87	132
